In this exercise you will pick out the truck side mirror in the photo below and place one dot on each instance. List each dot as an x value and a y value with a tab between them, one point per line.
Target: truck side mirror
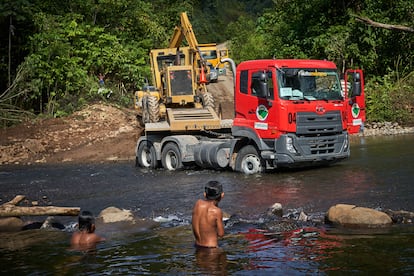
263	89
263	85
356	85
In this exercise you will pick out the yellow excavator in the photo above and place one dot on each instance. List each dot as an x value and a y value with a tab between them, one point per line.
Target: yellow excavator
179	75
213	54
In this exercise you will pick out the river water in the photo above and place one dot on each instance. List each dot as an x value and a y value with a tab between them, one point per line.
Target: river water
379	174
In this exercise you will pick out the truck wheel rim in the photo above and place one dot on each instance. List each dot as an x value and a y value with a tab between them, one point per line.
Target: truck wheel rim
146	158
171	160
251	164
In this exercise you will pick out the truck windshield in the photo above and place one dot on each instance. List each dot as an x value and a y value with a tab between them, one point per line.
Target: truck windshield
308	84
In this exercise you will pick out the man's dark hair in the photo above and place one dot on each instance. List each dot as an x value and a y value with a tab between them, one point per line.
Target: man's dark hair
86	220
213	190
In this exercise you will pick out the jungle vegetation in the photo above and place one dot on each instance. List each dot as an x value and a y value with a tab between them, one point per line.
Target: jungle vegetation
52	52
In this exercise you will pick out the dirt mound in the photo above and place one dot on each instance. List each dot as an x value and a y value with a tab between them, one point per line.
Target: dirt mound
99	132
223	93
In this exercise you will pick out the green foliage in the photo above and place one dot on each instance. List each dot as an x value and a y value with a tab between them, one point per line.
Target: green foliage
324	29
402	100
378	100
390	99
247	41
67	52
10	112
60	47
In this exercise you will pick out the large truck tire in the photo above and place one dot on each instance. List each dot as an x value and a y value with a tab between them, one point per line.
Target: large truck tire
153	109
171	157
150	109
146	155
208	100
248	161
145	111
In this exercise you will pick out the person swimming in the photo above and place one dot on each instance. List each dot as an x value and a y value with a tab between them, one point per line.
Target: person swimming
85	237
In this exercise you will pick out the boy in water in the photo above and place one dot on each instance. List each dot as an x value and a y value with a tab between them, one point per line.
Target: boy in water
85	238
207	218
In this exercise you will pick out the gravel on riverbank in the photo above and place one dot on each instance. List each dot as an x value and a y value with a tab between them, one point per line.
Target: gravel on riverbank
384	128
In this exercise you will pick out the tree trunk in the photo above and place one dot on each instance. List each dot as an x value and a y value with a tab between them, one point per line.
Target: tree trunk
10	209
382	25
9	65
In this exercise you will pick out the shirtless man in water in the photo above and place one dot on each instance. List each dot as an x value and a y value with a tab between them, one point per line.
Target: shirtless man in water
207	218
85	238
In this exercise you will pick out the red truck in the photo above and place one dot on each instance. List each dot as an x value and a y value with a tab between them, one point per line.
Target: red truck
288	113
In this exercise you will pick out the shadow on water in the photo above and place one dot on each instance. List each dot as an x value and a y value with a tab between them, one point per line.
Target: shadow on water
378	174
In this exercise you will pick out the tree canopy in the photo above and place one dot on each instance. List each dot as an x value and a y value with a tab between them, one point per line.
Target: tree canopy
53	52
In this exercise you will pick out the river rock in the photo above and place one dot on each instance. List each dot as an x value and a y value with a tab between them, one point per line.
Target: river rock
353	216
401	216
280	226
10	224
276	209
52	223
113	214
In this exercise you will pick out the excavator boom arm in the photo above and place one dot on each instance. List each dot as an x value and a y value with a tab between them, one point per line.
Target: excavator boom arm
185	30
177	38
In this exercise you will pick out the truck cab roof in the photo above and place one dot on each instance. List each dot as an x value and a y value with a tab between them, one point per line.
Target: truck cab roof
288	63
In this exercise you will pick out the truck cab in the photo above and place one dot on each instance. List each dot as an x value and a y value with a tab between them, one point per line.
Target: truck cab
292	111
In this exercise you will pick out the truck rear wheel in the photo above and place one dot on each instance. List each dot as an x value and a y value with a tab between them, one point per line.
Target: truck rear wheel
146	156
171	157
248	161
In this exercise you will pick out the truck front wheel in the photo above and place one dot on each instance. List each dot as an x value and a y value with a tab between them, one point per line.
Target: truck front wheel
146	156
171	157
248	161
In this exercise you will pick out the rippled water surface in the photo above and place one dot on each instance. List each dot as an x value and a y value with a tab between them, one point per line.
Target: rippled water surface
379	174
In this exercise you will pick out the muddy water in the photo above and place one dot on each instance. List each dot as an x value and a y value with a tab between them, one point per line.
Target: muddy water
378	175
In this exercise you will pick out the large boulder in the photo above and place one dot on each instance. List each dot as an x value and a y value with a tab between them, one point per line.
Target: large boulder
113	214
113	221
353	216
11	224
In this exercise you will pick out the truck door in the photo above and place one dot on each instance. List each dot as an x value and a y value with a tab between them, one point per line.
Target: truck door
254	102
354	89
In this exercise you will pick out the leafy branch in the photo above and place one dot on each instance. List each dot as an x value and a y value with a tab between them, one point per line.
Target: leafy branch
373	23
9	111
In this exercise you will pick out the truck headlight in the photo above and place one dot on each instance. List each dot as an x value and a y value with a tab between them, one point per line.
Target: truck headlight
289	145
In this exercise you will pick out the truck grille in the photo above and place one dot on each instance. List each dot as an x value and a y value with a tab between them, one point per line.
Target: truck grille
319	134
319	145
312	124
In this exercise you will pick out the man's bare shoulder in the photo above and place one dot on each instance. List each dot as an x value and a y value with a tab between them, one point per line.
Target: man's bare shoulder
216	210
96	238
